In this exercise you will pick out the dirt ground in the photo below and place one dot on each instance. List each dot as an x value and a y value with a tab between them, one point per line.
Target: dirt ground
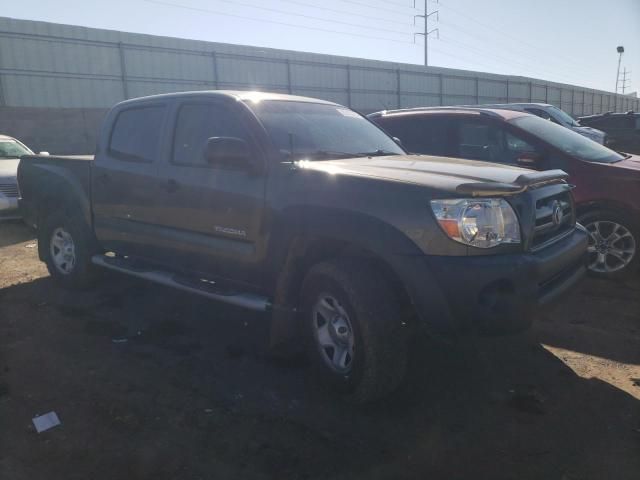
155	384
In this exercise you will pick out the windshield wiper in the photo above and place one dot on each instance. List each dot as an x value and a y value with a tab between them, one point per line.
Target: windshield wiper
378	153
324	155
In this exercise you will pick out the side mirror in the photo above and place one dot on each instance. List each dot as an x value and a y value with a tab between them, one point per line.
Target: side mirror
43	153
528	159
228	151
397	140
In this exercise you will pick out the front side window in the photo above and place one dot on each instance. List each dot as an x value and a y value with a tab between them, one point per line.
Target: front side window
196	124
12	149
136	134
566	140
488	141
316	131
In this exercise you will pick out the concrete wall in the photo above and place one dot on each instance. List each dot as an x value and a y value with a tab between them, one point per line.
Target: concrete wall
81	71
62	131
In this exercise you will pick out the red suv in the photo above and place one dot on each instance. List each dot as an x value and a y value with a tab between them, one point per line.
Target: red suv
607	192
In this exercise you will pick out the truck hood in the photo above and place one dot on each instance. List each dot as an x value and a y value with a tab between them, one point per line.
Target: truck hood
442	173
9	168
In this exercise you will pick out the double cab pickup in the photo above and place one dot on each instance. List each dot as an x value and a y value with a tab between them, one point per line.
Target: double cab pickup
306	210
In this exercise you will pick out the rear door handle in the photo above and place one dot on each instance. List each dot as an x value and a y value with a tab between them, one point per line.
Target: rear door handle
172	185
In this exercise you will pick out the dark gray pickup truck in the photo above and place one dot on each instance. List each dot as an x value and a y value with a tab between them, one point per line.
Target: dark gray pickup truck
304	208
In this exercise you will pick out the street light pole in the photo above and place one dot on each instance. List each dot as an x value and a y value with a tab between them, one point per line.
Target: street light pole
620	50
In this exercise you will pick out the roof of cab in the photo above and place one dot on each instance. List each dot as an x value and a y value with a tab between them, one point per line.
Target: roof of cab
240	95
464	110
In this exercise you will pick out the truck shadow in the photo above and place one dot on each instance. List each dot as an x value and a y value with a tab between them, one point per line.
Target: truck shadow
152	383
14	231
601	318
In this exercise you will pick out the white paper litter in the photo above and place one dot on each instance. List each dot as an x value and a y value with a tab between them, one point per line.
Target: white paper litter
46	421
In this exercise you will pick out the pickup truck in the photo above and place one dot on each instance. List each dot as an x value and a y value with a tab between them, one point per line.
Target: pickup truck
305	209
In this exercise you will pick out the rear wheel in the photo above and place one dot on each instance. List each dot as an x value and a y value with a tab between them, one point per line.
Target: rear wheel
356	337
613	244
67	245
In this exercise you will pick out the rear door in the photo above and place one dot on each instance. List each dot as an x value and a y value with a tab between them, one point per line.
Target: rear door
125	181
212	214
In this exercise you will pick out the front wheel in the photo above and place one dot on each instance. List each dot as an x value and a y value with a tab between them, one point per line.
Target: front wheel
613	244
66	245
356	337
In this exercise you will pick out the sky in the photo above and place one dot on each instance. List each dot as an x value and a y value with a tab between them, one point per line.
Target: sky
568	41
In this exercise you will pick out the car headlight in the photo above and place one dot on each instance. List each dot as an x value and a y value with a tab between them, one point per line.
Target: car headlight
482	223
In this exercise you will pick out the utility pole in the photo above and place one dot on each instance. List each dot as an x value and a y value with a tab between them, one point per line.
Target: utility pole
624	79
427	32
620	51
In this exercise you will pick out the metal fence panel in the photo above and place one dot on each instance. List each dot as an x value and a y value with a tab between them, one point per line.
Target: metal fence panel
50	65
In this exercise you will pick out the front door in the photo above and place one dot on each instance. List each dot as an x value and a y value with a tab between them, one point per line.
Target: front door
212	213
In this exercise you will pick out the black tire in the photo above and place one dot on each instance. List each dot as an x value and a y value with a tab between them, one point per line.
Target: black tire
83	273
608	218
380	335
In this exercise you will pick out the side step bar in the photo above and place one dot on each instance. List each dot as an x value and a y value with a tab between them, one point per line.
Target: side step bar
250	301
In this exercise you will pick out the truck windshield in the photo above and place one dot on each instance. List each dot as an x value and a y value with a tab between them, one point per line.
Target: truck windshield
315	131
567	140
12	149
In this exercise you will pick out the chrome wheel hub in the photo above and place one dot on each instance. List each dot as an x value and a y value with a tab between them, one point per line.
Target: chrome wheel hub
63	253
611	246
333	334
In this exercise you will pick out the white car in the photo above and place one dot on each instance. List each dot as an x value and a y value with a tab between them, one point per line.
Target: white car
556	115
10	152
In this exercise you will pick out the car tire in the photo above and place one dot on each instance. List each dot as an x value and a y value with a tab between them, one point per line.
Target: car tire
613	259
348	304
67	245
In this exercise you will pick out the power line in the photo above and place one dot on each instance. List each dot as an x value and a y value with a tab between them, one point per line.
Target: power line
368	5
344	12
463	31
507	61
262	20
310	17
493	28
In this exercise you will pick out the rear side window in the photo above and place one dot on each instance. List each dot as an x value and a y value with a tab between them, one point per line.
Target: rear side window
428	135
136	134
539	113
195	124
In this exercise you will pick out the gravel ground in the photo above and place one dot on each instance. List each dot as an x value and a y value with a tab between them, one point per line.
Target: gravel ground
152	383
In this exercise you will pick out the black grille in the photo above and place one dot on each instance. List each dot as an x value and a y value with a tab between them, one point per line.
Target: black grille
550	224
9	189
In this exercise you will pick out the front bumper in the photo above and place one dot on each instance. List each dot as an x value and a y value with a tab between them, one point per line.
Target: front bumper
8	207
493	293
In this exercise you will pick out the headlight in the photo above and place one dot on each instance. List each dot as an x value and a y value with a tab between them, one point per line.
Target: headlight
482	223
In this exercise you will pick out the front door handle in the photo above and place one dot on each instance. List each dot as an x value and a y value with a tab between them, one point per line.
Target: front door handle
172	185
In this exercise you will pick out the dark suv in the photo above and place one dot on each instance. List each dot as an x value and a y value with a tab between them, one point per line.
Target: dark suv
607	183
622	129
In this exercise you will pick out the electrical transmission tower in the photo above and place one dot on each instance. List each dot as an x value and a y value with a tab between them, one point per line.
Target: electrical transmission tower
427	32
624	80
